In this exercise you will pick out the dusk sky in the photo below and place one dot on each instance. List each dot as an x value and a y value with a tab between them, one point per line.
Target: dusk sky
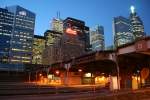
93	12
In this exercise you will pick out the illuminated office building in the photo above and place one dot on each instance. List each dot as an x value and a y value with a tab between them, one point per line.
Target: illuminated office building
38	47
127	30
57	25
121	30
52	51
137	27
22	35
97	38
51	37
6	26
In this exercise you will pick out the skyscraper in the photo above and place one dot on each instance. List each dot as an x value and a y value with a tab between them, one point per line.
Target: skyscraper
77	27
137	27
6	26
97	38
74	38
51	53
87	39
22	35
38	47
121	30
51	37
57	25
69	45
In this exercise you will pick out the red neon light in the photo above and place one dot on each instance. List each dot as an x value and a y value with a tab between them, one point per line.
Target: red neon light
70	31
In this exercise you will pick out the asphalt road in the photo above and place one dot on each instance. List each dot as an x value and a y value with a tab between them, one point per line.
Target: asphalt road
67	96
34	89
21	91
143	94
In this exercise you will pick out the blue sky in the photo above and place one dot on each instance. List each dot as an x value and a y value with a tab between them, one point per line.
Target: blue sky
93	12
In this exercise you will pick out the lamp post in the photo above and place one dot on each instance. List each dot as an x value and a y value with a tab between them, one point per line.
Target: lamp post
67	66
138	78
118	75
118	71
29	77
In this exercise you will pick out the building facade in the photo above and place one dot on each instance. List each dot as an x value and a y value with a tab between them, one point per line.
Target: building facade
38	48
121	31
57	25
137	27
52	51
22	35
88	46
97	38
77	27
6	26
74	38
66	46
51	37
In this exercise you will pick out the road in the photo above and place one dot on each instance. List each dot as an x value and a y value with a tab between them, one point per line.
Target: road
32	92
67	96
34	89
121	95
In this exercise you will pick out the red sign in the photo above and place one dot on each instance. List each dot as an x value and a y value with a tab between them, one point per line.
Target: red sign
70	31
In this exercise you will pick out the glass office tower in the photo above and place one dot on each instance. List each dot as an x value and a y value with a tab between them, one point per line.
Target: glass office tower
97	38
137	27
22	35
122	33
6	23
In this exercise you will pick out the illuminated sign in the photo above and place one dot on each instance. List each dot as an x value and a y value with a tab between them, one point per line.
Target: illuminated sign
70	31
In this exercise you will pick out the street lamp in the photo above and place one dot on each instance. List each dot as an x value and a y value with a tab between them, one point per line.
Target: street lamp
138	78
118	70
79	70
40	74
57	72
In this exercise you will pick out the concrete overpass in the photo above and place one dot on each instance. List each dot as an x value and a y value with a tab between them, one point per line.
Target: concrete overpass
125	61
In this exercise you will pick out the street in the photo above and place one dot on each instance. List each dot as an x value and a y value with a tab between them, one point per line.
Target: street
143	94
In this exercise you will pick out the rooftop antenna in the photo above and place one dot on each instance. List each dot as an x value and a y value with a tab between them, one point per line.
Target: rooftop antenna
57	15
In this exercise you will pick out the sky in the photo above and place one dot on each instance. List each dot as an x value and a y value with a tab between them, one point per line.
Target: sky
93	12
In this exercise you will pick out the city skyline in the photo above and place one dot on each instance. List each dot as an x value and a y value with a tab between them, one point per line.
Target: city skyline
92	12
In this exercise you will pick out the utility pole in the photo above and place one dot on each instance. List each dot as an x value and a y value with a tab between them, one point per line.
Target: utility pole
118	70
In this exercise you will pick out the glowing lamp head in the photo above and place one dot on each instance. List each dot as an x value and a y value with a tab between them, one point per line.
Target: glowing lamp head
132	9
40	74
57	72
70	31
79	70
